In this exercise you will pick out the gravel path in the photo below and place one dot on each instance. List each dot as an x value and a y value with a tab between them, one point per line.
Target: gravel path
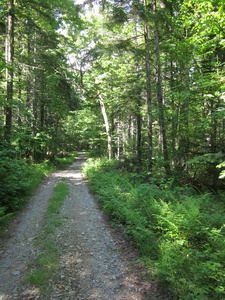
96	262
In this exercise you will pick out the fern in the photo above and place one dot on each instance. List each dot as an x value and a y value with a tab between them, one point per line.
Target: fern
181	230
4	217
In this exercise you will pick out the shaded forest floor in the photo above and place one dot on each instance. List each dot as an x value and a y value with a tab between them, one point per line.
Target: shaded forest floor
95	261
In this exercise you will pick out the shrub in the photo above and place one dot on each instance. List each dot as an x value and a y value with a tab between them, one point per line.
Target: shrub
13	180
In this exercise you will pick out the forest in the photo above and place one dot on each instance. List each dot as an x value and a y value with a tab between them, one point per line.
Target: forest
140	86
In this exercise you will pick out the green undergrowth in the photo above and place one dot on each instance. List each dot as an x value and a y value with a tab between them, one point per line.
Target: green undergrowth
19	179
179	231
46	264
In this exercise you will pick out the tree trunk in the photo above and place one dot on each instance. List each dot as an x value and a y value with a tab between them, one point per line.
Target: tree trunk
160	94
35	106
138	105
183	142
106	121
148	92
9	55
139	133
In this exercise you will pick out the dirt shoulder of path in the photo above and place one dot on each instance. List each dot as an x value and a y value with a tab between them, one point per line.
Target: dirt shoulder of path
96	260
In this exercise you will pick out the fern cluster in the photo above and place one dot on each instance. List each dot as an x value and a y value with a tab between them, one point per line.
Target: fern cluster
179	231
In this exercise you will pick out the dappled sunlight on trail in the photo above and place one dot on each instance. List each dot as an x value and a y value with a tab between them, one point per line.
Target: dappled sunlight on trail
67	174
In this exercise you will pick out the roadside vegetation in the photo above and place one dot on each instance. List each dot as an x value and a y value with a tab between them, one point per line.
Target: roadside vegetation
178	229
19	179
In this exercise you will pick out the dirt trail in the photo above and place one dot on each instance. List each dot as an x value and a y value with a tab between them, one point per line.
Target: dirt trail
95	262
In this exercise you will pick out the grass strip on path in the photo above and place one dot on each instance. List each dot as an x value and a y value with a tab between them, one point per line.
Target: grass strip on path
47	261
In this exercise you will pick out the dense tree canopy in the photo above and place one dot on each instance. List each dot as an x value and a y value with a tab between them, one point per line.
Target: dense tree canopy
138	80
36	93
